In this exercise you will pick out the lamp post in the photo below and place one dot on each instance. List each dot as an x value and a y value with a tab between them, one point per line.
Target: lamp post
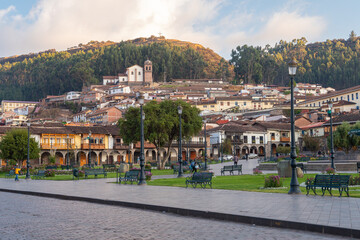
67	150
142	180
205	156
180	148
28	153
330	104
294	184
264	147
89	162
221	148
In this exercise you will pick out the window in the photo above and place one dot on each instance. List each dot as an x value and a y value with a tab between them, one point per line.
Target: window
341	98
261	139
201	139
236	103
337	99
352	96
252	139
244	103
205	106
212	106
222	103
245	139
348	97
139	73
132	73
357	95
228	103
319	104
272	136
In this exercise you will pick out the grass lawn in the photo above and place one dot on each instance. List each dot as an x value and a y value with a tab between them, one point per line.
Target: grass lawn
252	183
109	175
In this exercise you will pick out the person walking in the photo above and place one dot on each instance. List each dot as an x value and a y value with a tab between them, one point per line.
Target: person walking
17	171
236	160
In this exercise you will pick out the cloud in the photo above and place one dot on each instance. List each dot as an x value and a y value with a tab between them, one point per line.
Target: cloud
66	23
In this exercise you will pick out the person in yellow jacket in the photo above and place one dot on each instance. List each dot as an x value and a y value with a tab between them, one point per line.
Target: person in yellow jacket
17	171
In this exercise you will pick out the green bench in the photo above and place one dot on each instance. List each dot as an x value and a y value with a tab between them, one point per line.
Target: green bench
130	176
11	174
231	169
109	167
40	174
95	172
201	178
328	182
51	167
185	168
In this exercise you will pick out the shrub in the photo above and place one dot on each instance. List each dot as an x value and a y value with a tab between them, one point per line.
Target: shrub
354	180
11	162
81	173
148	175
257	171
273	181
330	170
50	173
147	166
309	181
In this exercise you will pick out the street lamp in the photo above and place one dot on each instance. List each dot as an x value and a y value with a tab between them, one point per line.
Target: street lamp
264	147
89	162
67	150
28	153
330	104
294	184
205	156
180	148
142	180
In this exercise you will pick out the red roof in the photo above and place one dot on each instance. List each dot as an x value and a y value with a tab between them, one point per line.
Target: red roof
220	122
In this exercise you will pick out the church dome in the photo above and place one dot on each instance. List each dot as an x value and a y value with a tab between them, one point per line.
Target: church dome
148	62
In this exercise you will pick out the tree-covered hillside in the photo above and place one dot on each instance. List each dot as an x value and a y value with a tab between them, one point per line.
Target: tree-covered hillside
53	73
334	63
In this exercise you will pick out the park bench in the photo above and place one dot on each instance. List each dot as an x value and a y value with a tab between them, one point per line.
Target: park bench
11	174
51	167
95	172
66	167
231	169
201	178
185	168
109	167
40	174
130	176
328	182
227	169
301	166
305	159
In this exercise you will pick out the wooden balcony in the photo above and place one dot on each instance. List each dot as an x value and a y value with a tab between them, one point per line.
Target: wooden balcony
284	139
93	146
120	146
60	146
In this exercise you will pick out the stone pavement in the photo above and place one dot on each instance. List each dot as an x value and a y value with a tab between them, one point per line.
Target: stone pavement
332	215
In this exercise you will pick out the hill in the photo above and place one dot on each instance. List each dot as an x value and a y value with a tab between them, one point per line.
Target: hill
36	75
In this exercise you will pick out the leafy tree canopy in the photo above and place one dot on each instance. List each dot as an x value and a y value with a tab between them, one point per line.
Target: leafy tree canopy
14	146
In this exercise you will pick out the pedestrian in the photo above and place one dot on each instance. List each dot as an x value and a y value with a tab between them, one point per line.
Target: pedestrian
247	156
196	166
16	170
235	160
192	166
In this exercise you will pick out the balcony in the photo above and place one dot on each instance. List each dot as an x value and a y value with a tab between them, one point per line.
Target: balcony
60	146
238	142
284	139
93	146
120	146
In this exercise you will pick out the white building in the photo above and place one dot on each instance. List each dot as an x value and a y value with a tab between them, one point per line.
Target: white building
72	95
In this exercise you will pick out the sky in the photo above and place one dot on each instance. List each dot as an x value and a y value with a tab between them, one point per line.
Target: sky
36	25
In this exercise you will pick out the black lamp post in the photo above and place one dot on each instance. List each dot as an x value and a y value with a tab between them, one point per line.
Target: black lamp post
330	104
89	162
265	147
205	156
28	153
180	148
221	147
142	180
67	150
294	184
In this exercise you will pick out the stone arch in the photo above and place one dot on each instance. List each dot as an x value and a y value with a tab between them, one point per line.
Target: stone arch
253	149
287	145
59	158
244	150
192	154
82	158
261	151
44	158
273	148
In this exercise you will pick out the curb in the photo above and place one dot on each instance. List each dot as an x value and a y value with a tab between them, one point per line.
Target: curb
346	232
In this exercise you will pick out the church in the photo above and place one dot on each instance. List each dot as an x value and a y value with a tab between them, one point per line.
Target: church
134	75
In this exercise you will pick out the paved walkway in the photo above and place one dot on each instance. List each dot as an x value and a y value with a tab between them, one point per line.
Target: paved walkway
324	214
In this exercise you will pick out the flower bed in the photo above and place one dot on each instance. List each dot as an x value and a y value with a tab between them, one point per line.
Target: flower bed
273	181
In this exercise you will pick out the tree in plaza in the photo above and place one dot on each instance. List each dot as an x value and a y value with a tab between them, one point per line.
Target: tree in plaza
14	146
227	146
161	125
312	144
342	139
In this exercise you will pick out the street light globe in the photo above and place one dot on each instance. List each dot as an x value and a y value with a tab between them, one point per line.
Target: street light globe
330	104
180	109
292	67
28	124
141	100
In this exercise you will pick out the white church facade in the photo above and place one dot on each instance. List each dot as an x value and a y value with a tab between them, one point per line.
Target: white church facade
135	75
